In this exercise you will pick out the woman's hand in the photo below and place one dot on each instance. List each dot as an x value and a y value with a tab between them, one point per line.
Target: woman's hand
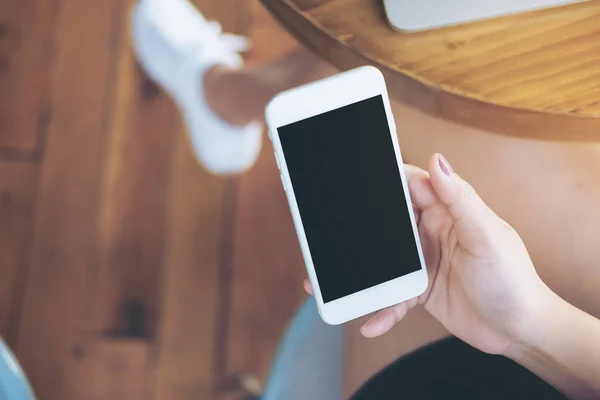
482	284
484	289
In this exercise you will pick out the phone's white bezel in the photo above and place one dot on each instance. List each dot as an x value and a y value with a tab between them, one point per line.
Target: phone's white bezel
314	99
411	16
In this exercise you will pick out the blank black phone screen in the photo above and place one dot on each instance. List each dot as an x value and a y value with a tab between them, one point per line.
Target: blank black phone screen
347	184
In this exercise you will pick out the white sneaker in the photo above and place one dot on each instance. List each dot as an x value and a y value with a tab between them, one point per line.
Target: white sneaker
176	45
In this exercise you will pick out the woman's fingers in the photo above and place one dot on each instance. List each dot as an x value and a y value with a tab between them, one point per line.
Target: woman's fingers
421	190
417	212
384	320
307	286
470	214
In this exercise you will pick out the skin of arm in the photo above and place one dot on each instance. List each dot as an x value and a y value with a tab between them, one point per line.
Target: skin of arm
562	346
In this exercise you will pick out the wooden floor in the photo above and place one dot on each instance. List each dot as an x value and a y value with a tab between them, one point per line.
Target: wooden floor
126	270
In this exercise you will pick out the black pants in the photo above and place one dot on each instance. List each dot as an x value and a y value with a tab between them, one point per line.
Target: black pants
451	369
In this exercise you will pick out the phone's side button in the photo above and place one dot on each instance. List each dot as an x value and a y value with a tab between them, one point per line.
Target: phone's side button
282	182
277	161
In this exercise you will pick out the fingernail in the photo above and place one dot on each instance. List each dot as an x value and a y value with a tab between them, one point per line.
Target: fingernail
445	165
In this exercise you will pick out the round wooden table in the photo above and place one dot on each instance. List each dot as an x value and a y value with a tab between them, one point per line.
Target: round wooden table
533	75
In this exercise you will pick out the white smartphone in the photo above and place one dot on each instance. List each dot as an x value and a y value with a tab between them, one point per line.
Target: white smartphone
411	16
336	147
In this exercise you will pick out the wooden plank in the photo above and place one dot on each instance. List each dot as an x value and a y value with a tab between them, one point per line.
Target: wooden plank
187	332
26	44
133	227
189	327
65	251
17	199
120	369
266	264
266	287
190	286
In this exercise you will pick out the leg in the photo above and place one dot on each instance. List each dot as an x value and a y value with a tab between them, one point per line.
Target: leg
240	96
363	358
201	68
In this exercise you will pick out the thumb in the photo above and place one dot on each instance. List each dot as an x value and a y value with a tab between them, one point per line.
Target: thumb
470	214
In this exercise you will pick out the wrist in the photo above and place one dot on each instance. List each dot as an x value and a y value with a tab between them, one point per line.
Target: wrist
541	312
560	345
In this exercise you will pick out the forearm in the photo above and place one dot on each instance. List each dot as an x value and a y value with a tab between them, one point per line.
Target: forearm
563	348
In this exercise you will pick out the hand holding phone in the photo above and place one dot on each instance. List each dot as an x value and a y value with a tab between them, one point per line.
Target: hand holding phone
482	284
484	288
336	146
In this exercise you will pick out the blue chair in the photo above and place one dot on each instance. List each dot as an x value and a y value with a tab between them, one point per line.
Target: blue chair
13	383
308	364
